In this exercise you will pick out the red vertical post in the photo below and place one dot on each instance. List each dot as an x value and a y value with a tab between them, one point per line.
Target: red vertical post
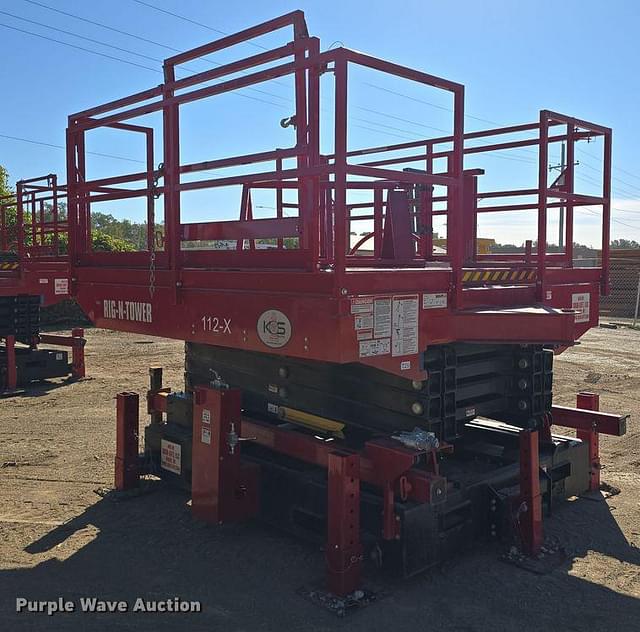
83	226
12	369
426	204
77	353
53	183
279	202
340	179
591	401
344	552
470	218
72	194
543	159
20	223
151	204
171	156
606	213
378	211
569	187
34	218
313	152
530	498
221	489
455	212
300	95
127	425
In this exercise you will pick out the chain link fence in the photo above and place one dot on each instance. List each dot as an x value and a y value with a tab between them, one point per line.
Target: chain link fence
622	302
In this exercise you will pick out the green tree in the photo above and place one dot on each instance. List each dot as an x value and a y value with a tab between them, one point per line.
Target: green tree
8	211
108	233
5	189
625	244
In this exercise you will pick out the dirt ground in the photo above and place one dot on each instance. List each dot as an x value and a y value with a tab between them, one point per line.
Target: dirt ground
59	538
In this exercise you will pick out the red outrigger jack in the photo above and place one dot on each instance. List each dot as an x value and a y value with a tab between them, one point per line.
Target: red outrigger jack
225	488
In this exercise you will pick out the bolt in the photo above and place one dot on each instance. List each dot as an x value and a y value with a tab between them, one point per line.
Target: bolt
417	385
523	363
522	404
417	408
344	291
283	372
523	384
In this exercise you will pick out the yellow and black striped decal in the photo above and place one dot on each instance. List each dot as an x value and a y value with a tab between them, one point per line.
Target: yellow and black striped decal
9	265
501	276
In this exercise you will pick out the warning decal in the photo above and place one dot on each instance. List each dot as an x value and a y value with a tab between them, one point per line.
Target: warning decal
362	305
370	348
389	325
382	318
434	301
364	321
61	286
582	304
404	334
170	456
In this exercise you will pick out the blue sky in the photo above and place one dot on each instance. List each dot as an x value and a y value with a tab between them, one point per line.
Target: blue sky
515	58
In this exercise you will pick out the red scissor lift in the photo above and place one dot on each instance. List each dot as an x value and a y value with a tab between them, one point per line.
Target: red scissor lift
34	272
334	349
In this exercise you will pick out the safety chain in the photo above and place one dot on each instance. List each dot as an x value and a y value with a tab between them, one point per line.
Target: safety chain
152	270
152	246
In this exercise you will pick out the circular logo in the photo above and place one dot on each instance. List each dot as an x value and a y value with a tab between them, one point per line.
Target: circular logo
274	328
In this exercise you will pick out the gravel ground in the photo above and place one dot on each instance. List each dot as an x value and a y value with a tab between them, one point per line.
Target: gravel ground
60	538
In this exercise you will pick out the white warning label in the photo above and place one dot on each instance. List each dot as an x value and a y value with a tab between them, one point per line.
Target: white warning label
434	301
206	416
61	286
362	305
170	456
404	334
369	348
582	304
363	321
382	318
205	435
